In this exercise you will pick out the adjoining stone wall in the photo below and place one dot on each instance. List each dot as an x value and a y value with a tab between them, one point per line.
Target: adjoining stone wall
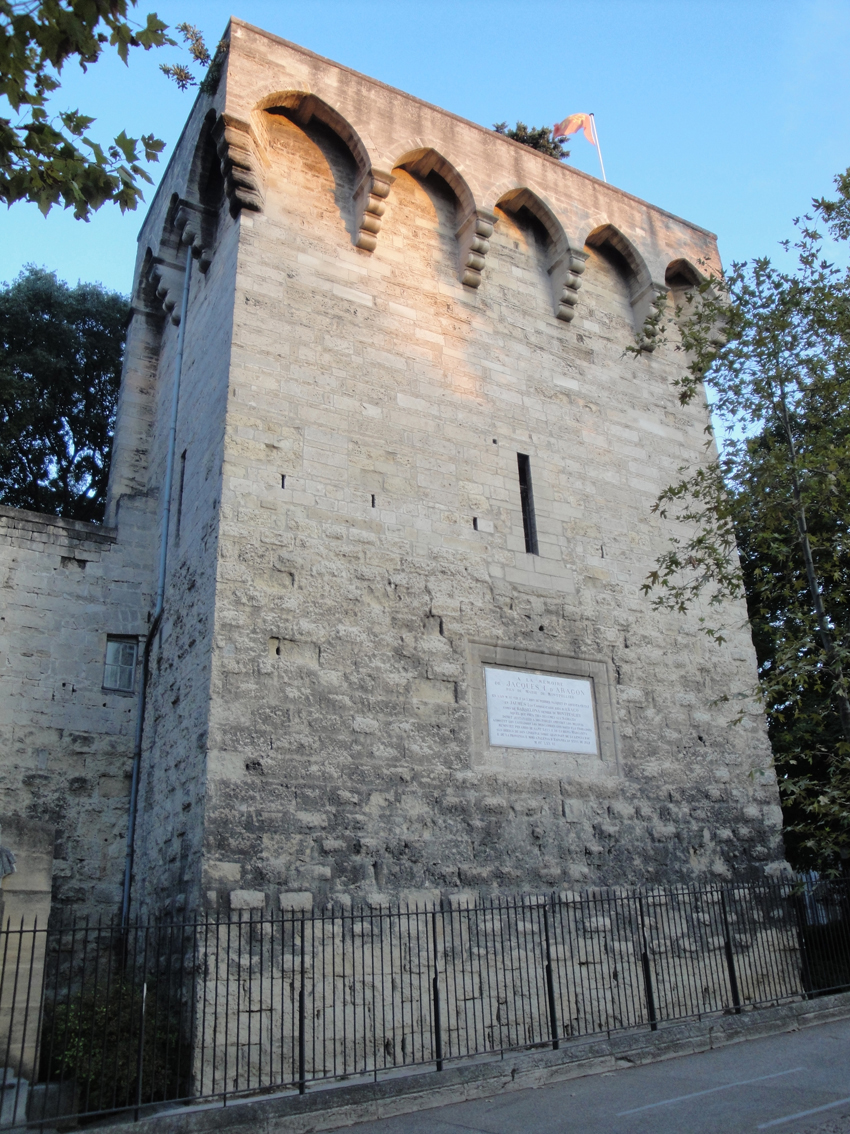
67	743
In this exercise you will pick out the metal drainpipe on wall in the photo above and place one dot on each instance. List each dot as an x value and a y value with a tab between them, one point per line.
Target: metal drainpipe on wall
160	593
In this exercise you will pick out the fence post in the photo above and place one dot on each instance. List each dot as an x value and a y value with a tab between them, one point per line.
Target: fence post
550	984
647	972
302	1022
730	959
800	916
140	1061
438	1027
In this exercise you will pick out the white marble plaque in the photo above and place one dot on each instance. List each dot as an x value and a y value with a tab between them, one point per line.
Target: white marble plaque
534	710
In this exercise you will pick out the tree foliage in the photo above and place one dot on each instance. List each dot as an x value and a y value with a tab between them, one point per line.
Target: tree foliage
51	158
199	53
778	379
61	350
537	137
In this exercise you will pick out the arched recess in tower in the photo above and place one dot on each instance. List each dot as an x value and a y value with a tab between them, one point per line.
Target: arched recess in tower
683	278
473	227
622	254
564	265
329	133
199	211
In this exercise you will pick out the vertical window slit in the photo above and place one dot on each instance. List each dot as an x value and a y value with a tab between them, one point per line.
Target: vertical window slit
529	524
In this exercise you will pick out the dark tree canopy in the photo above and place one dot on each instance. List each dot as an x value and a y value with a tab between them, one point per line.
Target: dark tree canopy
60	367
537	137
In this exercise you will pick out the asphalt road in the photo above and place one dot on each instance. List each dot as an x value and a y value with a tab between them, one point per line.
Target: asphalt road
785	1084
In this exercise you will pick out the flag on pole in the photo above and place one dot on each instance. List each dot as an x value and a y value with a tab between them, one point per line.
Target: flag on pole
571	125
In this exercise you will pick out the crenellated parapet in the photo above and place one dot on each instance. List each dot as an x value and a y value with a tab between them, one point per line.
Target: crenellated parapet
385	131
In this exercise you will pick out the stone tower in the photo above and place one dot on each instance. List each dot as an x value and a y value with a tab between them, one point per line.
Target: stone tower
403	647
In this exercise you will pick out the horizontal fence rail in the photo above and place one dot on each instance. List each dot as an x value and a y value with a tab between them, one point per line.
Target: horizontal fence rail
95	1020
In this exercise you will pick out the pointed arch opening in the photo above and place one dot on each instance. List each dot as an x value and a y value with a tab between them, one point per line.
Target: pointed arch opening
682	274
345	154
619	251
303	108
473	227
425	161
563	265
616	248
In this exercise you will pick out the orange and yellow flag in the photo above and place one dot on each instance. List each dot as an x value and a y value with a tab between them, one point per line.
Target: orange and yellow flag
572	125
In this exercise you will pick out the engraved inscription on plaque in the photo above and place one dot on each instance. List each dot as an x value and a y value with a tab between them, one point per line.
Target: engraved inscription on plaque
534	710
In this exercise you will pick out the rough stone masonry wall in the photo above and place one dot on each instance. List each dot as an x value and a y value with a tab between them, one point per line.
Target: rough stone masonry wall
67	743
172	783
354	599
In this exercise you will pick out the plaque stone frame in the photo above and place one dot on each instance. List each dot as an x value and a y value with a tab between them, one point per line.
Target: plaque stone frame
535	761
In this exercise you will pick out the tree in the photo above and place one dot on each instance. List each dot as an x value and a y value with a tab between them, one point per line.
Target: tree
778	379
60	367
52	158
537	137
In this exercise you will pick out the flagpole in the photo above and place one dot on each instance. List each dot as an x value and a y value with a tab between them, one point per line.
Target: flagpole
598	147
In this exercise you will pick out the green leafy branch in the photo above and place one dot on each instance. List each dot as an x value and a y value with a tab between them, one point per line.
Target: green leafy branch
51	159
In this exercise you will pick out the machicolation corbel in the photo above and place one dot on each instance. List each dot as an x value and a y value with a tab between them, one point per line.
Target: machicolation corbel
566	273
370	205
236	146
166	280
195	225
644	306
474	243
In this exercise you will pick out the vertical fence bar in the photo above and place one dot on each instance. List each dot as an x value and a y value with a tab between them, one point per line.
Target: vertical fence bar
730	958
302	1022
140	1059
550	984
800	919
647	972
438	1032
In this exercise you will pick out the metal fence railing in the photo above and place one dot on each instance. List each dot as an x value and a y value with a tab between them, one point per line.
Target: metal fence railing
95	1020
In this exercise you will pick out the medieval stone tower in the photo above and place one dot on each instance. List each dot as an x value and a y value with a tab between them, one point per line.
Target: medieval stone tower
377	359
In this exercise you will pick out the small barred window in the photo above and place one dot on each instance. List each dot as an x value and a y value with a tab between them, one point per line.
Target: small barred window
119	672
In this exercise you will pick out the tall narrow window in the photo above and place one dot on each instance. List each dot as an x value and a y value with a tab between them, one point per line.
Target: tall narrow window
529	524
119	671
180	491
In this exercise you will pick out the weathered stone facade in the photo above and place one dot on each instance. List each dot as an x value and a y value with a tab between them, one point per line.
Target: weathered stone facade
387	305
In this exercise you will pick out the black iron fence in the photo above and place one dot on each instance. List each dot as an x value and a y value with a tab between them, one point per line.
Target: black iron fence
94	1020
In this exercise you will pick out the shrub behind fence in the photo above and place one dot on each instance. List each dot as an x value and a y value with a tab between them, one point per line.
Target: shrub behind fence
113	1020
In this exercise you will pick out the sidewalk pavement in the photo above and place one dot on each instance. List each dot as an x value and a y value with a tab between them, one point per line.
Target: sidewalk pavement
792	1083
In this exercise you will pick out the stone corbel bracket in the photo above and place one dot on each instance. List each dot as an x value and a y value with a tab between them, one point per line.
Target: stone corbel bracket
566	273
166	279
236	145
370	204
473	238
196	226
644	305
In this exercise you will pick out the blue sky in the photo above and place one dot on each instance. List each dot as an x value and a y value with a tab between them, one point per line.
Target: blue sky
731	113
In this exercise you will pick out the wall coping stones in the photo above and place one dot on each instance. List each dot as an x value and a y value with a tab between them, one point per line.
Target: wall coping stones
55	526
